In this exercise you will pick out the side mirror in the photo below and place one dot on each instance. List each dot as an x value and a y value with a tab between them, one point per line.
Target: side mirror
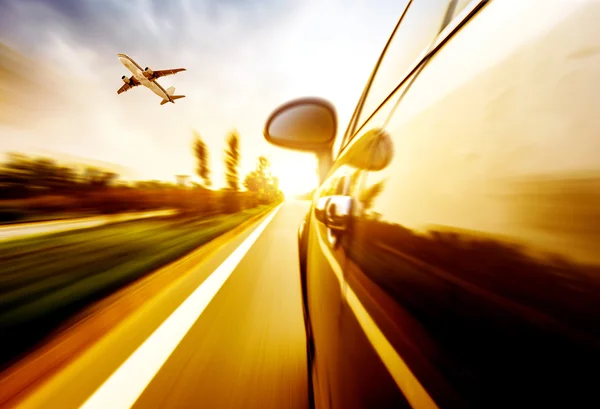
305	124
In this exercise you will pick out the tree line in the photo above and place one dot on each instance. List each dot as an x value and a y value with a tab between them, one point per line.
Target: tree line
34	187
260	181
24	176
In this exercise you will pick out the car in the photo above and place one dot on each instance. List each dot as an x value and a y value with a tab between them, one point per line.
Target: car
451	254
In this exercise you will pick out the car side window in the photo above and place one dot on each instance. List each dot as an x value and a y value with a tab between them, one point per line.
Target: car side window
422	23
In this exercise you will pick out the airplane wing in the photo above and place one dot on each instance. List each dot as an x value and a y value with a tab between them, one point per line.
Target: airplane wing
126	87
164	73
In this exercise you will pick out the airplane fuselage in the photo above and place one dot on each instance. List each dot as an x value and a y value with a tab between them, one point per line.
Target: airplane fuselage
138	74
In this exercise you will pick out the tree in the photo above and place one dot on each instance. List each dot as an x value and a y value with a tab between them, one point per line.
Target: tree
24	176
44	172
251	181
264	165
201	152
262	182
232	160
95	177
66	177
256	181
370	194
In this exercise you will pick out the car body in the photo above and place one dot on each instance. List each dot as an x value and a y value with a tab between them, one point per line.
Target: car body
451	255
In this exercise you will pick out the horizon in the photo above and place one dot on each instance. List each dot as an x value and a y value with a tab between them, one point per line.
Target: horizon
242	60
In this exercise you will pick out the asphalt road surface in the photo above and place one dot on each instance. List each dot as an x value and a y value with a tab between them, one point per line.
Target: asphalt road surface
229	334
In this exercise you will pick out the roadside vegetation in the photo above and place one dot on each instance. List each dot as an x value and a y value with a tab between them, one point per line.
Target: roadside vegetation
47	279
38	188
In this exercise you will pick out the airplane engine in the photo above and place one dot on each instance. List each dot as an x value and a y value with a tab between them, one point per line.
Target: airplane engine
148	73
126	80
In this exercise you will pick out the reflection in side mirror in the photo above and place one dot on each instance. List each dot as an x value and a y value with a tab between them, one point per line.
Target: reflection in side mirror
377	141
307	124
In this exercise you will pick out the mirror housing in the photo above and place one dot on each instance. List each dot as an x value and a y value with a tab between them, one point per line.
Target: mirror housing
306	125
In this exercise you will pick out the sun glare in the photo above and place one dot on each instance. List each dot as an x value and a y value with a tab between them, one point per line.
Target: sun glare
297	174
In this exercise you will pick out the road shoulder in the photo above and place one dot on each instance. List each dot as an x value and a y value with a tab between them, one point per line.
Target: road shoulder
90	334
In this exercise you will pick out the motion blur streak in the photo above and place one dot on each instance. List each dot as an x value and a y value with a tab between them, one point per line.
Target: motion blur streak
247	350
410	386
128	382
31	229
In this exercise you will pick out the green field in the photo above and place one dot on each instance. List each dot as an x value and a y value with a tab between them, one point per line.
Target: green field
47	279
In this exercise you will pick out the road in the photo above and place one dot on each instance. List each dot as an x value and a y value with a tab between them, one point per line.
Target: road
229	334
17	231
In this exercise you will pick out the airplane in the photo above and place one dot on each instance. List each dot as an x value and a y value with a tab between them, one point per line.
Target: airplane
147	78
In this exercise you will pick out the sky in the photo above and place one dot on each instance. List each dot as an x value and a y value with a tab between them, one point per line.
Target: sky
243	59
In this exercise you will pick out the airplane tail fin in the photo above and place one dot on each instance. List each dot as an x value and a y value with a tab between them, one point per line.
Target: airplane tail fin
170	91
173	98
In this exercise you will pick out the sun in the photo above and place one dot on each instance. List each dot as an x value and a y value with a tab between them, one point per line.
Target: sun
297	173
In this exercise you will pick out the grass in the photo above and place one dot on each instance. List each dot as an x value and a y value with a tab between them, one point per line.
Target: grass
47	279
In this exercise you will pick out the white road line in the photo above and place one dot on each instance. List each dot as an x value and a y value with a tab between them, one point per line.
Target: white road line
127	383
413	391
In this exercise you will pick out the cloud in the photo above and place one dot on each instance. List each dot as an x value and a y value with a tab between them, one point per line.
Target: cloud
243	59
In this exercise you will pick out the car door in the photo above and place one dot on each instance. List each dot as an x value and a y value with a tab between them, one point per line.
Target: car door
352	367
476	249
326	259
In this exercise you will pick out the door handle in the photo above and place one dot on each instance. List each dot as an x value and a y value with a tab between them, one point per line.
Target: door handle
334	212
